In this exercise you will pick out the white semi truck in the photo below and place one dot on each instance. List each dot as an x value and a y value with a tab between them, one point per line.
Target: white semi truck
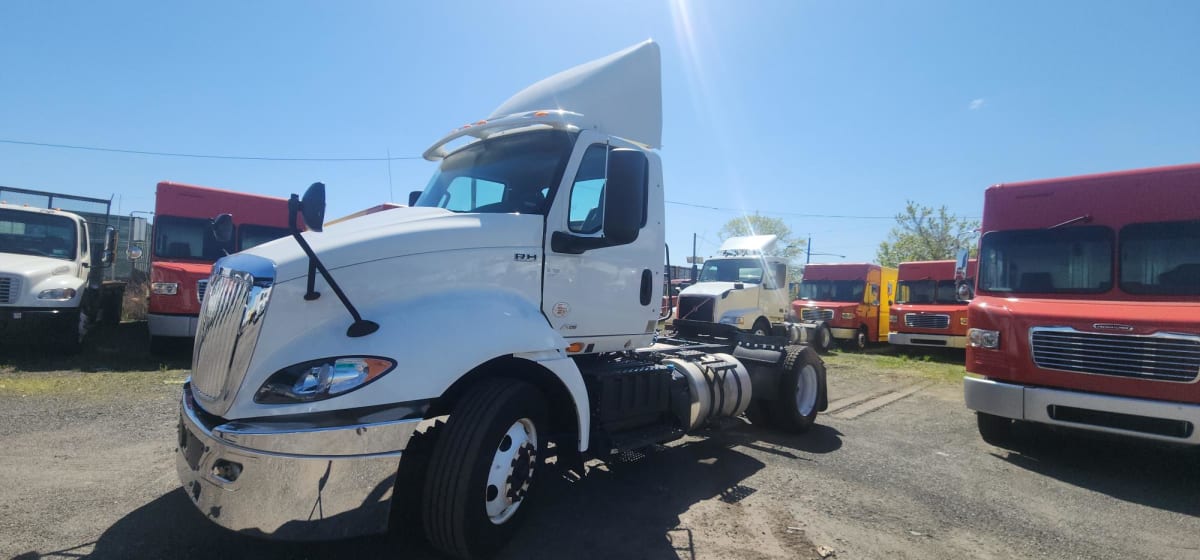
333	377
743	288
51	284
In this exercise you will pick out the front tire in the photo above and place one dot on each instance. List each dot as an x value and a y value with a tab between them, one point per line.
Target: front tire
859	342
75	328
484	468
823	338
996	430
795	409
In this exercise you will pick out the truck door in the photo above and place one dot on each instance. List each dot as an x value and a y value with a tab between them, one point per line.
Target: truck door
608	297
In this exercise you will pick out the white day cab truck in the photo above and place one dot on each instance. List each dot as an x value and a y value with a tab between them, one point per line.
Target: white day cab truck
547	229
51	284
742	289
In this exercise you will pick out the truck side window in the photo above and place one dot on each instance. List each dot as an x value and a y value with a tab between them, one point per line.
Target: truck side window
83	241
586	214
874	295
469	194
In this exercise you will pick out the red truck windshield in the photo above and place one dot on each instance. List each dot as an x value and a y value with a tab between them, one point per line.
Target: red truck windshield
1160	258
192	238
928	291
850	291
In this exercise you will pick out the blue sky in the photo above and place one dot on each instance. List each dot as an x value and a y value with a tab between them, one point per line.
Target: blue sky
787	108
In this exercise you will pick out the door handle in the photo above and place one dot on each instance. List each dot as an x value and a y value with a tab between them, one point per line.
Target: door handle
647	286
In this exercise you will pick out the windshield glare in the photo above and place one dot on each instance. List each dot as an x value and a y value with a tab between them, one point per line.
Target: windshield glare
510	174
732	270
43	235
850	291
1045	261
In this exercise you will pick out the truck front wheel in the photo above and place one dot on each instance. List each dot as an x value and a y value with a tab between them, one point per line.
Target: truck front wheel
762	327
484	468
996	430
795	409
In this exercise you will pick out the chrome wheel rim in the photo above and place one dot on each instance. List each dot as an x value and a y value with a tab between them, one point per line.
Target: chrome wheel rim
806	390
511	471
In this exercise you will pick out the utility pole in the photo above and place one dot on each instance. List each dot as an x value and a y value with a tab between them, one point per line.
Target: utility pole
808	250
693	258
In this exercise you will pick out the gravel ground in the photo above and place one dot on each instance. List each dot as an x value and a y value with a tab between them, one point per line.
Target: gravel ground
87	468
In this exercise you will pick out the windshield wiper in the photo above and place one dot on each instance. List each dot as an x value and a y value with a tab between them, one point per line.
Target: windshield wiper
1084	219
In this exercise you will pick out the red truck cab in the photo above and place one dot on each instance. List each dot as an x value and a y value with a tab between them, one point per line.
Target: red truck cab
184	248
927	311
849	302
1087	313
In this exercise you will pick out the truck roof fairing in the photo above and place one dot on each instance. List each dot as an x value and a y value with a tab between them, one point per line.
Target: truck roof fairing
619	95
750	244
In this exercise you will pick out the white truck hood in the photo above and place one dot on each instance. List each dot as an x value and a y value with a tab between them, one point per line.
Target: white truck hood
713	288
32	265
400	232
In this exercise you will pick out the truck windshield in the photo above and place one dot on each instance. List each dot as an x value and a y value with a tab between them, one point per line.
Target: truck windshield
34	233
1161	258
1047	261
186	238
928	291
732	270
833	290
518	173
251	235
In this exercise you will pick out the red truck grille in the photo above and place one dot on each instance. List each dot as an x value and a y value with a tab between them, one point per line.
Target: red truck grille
815	314
926	321
1160	357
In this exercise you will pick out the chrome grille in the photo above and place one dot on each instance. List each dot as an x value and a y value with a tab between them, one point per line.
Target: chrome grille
814	314
10	288
228	328
200	287
1160	356
926	321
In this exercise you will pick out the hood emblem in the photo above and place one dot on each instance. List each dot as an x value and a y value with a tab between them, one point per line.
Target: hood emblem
1111	327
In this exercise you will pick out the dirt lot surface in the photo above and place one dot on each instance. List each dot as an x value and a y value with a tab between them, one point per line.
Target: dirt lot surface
896	471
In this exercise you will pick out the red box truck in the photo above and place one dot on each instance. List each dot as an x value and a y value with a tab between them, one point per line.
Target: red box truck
927	311
1087	306
184	248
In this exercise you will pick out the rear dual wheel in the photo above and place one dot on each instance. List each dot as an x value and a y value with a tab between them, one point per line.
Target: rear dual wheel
484	468
795	407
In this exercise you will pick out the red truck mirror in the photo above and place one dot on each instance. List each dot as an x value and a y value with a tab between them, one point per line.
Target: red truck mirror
222	228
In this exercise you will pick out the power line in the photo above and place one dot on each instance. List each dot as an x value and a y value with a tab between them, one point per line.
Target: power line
203	156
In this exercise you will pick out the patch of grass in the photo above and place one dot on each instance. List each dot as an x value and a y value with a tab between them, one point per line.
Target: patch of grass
936	366
86	385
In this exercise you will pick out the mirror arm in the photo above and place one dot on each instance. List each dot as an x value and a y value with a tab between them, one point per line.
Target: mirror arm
360	327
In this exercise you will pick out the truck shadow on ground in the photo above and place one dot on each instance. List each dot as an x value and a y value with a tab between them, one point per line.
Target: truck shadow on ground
121	347
621	509
1147	473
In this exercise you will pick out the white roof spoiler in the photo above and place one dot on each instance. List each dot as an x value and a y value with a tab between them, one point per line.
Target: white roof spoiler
619	95
753	244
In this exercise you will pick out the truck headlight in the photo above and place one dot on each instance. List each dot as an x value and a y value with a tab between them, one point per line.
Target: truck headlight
164	288
847	316
983	338
318	380
892	319
57	294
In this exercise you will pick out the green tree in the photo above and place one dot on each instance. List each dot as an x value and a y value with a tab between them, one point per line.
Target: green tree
926	234
787	246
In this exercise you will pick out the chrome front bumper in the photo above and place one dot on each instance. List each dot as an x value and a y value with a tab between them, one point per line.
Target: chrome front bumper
927	340
288	480
183	326
1038	404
